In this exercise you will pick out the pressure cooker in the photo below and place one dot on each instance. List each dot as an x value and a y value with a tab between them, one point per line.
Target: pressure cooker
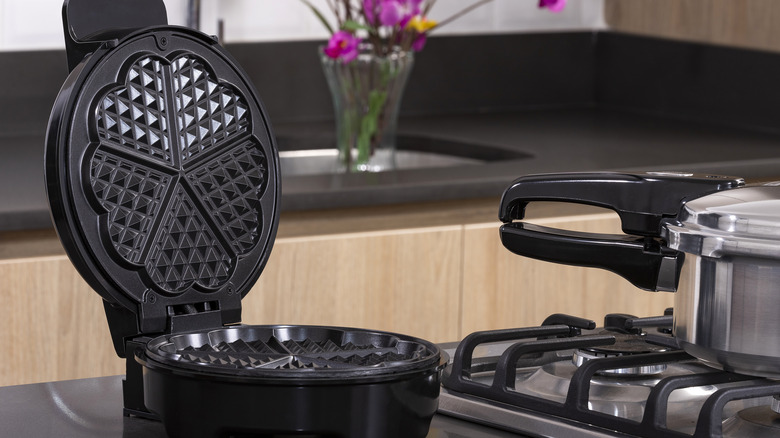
712	240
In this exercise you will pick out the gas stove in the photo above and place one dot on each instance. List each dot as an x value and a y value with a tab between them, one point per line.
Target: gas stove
625	379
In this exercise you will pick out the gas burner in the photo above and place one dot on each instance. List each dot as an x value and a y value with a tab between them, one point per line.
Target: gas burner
755	422
625	345
615	394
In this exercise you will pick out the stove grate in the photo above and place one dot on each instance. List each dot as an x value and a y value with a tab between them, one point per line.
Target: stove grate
530	350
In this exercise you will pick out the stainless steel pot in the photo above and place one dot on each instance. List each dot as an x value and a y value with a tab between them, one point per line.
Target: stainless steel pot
727	309
713	240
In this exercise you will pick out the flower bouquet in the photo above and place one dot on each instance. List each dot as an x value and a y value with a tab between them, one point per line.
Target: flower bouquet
367	61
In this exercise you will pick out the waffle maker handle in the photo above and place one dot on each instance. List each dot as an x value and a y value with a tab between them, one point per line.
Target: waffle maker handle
90	23
643	201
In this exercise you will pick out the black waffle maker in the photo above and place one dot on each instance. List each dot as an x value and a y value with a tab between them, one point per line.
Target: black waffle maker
163	180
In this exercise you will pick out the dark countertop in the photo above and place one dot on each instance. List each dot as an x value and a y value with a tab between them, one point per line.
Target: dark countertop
93	408
572	139
559	140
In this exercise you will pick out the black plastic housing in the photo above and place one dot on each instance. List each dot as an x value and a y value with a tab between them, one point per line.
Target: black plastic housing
395	400
89	23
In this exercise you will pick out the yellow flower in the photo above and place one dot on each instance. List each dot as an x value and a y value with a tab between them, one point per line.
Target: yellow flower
421	24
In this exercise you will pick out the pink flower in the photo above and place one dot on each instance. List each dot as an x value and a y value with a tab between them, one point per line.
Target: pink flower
553	5
343	45
391	12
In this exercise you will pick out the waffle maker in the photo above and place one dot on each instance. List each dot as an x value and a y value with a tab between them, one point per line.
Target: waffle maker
163	180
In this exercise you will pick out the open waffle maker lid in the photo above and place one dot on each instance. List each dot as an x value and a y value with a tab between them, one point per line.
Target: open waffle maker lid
161	170
163	180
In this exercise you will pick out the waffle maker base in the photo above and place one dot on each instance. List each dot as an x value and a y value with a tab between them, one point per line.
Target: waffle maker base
323	389
163	178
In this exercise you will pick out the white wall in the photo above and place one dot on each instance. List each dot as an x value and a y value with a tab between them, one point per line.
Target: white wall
37	24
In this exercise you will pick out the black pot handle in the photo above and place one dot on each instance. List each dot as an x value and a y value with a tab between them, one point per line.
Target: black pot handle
90	23
642	261
642	200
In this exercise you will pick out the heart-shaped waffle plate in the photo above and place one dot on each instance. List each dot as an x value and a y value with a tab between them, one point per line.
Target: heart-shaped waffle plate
163	176
294	352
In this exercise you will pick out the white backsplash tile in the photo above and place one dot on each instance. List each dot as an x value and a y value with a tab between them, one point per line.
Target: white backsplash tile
31	24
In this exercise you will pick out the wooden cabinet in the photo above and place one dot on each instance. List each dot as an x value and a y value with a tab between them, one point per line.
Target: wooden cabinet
747	23
52	324
436	271
405	281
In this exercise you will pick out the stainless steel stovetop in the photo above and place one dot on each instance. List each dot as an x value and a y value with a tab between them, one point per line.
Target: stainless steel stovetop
567	379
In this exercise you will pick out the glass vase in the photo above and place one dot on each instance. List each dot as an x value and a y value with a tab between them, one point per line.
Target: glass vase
366	96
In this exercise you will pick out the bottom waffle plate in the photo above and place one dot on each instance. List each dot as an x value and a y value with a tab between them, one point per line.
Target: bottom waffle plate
293	351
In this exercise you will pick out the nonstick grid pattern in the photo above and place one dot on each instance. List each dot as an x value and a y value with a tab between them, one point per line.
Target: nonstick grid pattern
294	354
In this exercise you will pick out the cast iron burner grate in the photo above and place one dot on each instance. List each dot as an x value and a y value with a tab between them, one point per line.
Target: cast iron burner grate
537	345
255	349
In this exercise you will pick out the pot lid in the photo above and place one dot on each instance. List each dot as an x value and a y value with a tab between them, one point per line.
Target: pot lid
162	175
743	221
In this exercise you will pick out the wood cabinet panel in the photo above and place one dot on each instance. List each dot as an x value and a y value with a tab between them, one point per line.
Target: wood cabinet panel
744	23
53	324
503	290
406	281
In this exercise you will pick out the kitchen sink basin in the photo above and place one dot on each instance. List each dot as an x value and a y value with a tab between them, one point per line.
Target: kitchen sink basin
316	155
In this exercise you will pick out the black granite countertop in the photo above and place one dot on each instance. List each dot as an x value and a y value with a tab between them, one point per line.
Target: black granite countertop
578	101
93	408
557	140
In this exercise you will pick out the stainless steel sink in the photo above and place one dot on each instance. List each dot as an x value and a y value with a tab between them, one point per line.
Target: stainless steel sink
315	155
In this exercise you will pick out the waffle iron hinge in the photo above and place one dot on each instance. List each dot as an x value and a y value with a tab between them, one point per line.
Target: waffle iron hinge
193	316
180	318
132	330
159	318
